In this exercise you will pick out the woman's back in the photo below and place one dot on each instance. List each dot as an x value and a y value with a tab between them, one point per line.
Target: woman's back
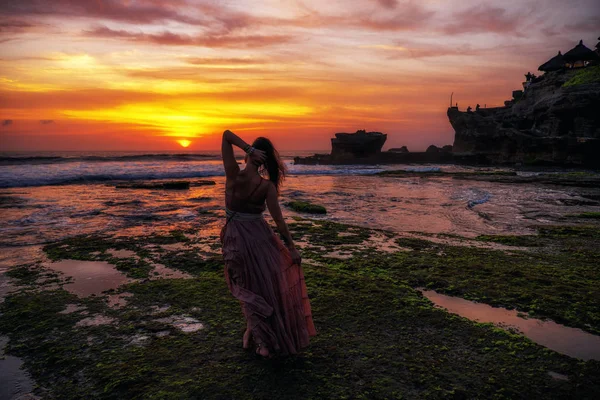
246	195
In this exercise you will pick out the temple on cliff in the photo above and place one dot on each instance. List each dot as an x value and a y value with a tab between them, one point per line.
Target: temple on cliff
578	57
556	63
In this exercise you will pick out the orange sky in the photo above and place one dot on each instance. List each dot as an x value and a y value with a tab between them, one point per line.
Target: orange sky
143	75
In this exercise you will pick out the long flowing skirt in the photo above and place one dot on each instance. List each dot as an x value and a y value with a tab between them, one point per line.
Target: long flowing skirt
260	274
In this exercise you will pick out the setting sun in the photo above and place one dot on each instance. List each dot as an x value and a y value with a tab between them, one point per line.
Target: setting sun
184	143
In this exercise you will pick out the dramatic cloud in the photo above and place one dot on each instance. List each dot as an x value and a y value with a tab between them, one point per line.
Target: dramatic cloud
127	11
12	26
388	3
414	51
591	23
224	61
150	71
482	19
174	39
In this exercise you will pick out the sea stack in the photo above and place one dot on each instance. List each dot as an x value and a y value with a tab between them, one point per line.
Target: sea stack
352	146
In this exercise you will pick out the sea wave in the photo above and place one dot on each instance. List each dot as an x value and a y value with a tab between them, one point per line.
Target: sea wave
83	173
16	181
20	160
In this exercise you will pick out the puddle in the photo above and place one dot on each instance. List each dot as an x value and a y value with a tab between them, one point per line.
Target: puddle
558	376
312	262
15	383
122	253
162	272
90	277
572	342
159	309
72	308
183	323
139	340
339	254
383	243
175	246
96	320
118	300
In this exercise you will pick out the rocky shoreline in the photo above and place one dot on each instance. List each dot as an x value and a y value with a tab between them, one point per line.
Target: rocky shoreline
555	122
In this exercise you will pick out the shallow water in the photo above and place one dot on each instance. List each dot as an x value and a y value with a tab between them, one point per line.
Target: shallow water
562	339
89	277
420	204
183	323
95	320
15	382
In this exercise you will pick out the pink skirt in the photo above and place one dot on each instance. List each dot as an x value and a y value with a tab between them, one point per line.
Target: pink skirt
260	274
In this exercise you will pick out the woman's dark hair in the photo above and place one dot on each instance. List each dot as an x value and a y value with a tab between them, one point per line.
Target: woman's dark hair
273	165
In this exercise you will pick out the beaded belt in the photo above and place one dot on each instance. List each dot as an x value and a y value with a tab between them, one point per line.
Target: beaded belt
240	216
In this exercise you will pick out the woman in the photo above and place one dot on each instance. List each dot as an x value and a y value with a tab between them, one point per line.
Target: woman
260	270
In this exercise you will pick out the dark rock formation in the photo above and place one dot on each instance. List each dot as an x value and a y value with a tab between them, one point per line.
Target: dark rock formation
555	122
385	157
362	144
447	148
365	148
402	149
432	149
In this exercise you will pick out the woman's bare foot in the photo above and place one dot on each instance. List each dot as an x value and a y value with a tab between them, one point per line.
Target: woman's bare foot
263	350
247	339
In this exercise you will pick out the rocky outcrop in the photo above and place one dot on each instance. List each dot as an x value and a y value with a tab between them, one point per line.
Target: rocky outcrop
362	144
385	157
365	148
553	123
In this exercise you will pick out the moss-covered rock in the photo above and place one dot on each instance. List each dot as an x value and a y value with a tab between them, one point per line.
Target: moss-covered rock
306	207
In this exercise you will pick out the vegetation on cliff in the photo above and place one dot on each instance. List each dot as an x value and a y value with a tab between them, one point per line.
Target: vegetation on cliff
584	76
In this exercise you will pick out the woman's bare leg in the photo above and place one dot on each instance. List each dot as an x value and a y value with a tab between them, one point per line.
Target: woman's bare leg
247	336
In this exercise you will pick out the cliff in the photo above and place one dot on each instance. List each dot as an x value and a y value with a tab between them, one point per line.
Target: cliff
555	122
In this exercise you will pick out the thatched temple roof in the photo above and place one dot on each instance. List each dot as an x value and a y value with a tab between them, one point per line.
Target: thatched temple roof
580	53
554	64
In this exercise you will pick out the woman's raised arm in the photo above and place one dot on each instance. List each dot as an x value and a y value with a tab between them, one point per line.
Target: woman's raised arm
230	139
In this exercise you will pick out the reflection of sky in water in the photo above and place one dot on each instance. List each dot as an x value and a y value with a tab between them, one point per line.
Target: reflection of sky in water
432	205
562	339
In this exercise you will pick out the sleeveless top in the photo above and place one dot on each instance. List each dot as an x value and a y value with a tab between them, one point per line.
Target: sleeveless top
253	204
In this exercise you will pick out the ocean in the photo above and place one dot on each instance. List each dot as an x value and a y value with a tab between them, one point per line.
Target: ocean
50	196
56	168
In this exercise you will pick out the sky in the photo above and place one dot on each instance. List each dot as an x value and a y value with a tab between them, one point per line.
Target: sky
159	74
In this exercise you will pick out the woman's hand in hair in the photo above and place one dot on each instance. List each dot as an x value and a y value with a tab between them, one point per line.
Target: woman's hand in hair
258	157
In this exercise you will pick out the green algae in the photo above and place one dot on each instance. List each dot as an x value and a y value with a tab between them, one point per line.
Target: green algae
95	248
511	240
587	215
378	337
306	207
457	174
539	282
